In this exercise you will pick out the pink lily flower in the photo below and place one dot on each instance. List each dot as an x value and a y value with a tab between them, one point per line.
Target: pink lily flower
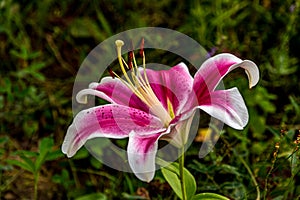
149	105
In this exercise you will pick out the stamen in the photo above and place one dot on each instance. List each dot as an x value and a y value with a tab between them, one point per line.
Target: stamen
142	48
111	72
130	59
119	44
130	56
140	85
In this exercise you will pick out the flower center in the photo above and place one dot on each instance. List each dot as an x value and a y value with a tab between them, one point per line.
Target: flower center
139	84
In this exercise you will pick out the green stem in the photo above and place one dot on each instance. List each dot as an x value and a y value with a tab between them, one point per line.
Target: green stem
252	177
36	178
181	168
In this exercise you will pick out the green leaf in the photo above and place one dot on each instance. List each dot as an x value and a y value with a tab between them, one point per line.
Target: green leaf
36	66
4	139
209	196
230	169
95	163
172	176
85	28
135	197
173	179
295	163
63	179
103	21
28	154
29	162
53	155
94	196
81	154
38	76
25	54
27	165
190	183
45	146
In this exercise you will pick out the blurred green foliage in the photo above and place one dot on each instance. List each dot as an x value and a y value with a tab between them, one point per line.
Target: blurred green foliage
42	44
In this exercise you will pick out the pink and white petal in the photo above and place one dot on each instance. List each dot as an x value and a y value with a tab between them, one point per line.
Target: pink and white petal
110	121
229	107
114	91
173	85
215	68
141	152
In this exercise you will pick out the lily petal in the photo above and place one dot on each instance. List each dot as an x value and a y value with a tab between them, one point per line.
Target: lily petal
141	154
180	129
111	121
215	68
114	91
171	86
229	107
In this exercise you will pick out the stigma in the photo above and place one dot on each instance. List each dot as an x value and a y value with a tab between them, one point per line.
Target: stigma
137	81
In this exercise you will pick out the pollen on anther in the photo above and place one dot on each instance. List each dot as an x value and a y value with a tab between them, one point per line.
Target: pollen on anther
130	59
111	73
142	47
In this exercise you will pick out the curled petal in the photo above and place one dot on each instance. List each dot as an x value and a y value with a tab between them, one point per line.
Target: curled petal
172	87
215	68
229	107
251	70
111	121
114	91
81	96
141	154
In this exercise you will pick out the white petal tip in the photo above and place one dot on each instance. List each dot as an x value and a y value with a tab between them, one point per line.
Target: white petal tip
146	177
93	85
68	152
252	72
82	99
239	128
67	146
81	96
70	155
182	64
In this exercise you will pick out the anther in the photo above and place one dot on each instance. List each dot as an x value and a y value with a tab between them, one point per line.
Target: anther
130	59
111	72
142	48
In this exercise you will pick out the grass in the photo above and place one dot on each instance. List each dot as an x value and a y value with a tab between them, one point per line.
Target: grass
42	45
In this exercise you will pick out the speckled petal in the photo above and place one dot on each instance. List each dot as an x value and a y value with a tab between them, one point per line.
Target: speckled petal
111	121
173	85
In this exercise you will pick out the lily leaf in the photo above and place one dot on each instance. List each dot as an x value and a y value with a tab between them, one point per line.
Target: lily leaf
172	176
295	163
85	28
45	146
27	165
93	196
209	196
